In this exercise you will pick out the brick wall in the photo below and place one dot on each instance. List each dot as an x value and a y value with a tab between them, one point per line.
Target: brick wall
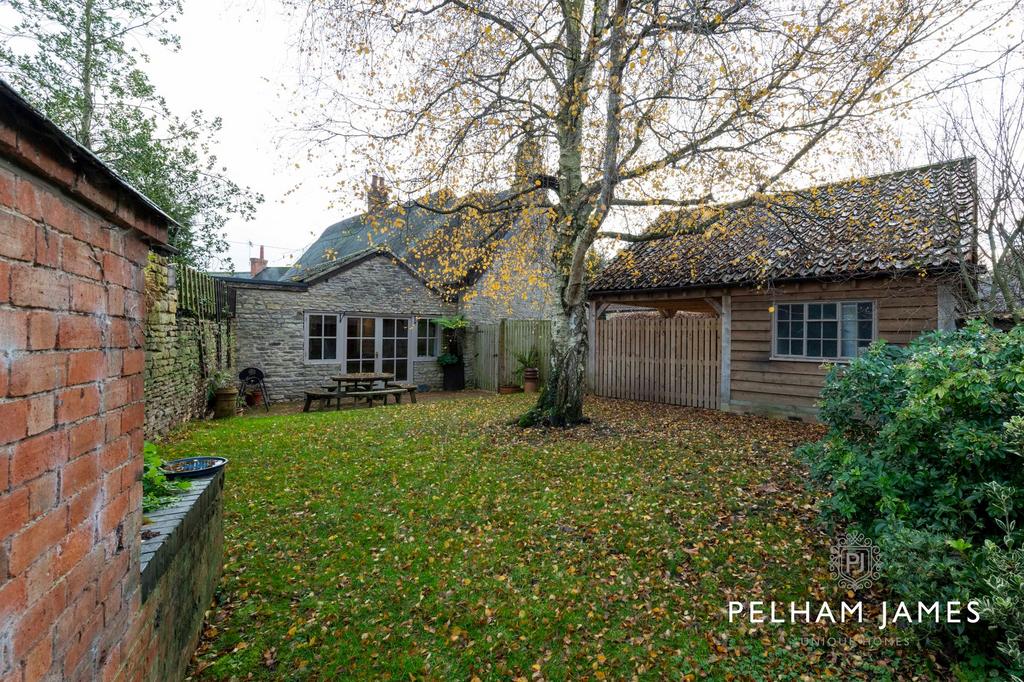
73	244
181	354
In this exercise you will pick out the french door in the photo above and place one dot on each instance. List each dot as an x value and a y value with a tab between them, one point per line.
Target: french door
378	344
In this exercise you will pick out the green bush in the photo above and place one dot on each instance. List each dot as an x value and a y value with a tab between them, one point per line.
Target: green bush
157	490
919	440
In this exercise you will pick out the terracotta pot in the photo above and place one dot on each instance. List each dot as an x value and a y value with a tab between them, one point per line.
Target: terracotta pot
531	379
506	390
224	402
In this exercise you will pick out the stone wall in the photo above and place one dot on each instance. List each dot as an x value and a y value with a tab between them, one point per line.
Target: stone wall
182	352
181	566
73	245
270	320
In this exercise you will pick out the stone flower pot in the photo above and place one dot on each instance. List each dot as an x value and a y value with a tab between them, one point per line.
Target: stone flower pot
224	402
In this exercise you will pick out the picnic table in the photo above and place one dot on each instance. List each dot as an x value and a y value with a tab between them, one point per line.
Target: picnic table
361	381
359	386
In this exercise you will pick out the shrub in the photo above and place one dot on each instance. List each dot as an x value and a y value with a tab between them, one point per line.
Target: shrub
920	440
157	490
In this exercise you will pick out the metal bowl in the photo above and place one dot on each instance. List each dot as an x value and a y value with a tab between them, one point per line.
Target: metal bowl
193	467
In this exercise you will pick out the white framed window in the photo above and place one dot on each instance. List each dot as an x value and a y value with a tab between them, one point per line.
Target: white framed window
823	330
321	337
426	338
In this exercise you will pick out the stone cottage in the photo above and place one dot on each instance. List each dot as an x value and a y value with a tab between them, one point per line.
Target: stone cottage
365	295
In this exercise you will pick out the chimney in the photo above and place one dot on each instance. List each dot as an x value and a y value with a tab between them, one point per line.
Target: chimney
376	194
257	265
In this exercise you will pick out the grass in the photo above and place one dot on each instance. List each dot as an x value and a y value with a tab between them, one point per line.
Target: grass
434	541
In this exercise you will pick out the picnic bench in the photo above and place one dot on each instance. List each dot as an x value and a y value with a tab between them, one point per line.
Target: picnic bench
359	387
324	396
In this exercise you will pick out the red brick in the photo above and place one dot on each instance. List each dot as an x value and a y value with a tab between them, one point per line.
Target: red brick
13	513
5	472
79	331
134	361
118	270
7	179
113	514
86	572
38	538
40	413
78	475
85	367
14	330
114	570
5	284
41	575
39	287
37	372
78	403
81	259
88	297
84	505
117	393
39	661
58	213
34	456
17	237
115	454
115	300
26	199
81	643
42	494
38	620
85	437
133	417
47	248
4	380
42	331
138	384
120	334
73	549
13	597
112	425
115	360
13	420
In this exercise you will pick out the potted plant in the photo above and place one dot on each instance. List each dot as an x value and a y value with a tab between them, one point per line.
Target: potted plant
528	370
223	394
452	368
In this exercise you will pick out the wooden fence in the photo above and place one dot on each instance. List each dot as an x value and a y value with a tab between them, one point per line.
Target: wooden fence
498	344
676	360
199	294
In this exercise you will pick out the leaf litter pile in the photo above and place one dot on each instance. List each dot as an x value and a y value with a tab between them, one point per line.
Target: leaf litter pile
435	541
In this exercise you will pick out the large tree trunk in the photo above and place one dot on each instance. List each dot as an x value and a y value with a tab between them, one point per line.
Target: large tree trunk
561	400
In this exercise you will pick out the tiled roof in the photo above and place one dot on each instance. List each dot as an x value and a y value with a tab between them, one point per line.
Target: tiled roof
921	218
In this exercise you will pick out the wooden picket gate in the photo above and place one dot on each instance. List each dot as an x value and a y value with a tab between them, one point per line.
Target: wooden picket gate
676	360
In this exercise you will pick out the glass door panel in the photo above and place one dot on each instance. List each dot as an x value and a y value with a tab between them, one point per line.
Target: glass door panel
394	355
360	344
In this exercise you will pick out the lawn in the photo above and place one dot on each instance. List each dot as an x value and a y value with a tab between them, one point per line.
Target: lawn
434	541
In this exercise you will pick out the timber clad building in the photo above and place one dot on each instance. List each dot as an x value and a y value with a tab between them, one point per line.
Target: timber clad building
809	278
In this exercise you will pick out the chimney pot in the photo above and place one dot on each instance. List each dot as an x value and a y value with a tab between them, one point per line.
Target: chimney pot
257	265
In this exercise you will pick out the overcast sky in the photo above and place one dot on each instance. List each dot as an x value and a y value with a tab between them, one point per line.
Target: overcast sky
235	62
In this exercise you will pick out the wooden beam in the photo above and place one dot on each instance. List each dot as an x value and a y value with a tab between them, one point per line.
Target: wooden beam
714	304
726	340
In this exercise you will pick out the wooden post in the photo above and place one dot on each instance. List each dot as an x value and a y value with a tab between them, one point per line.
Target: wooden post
501	352
947	308
726	342
591	334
